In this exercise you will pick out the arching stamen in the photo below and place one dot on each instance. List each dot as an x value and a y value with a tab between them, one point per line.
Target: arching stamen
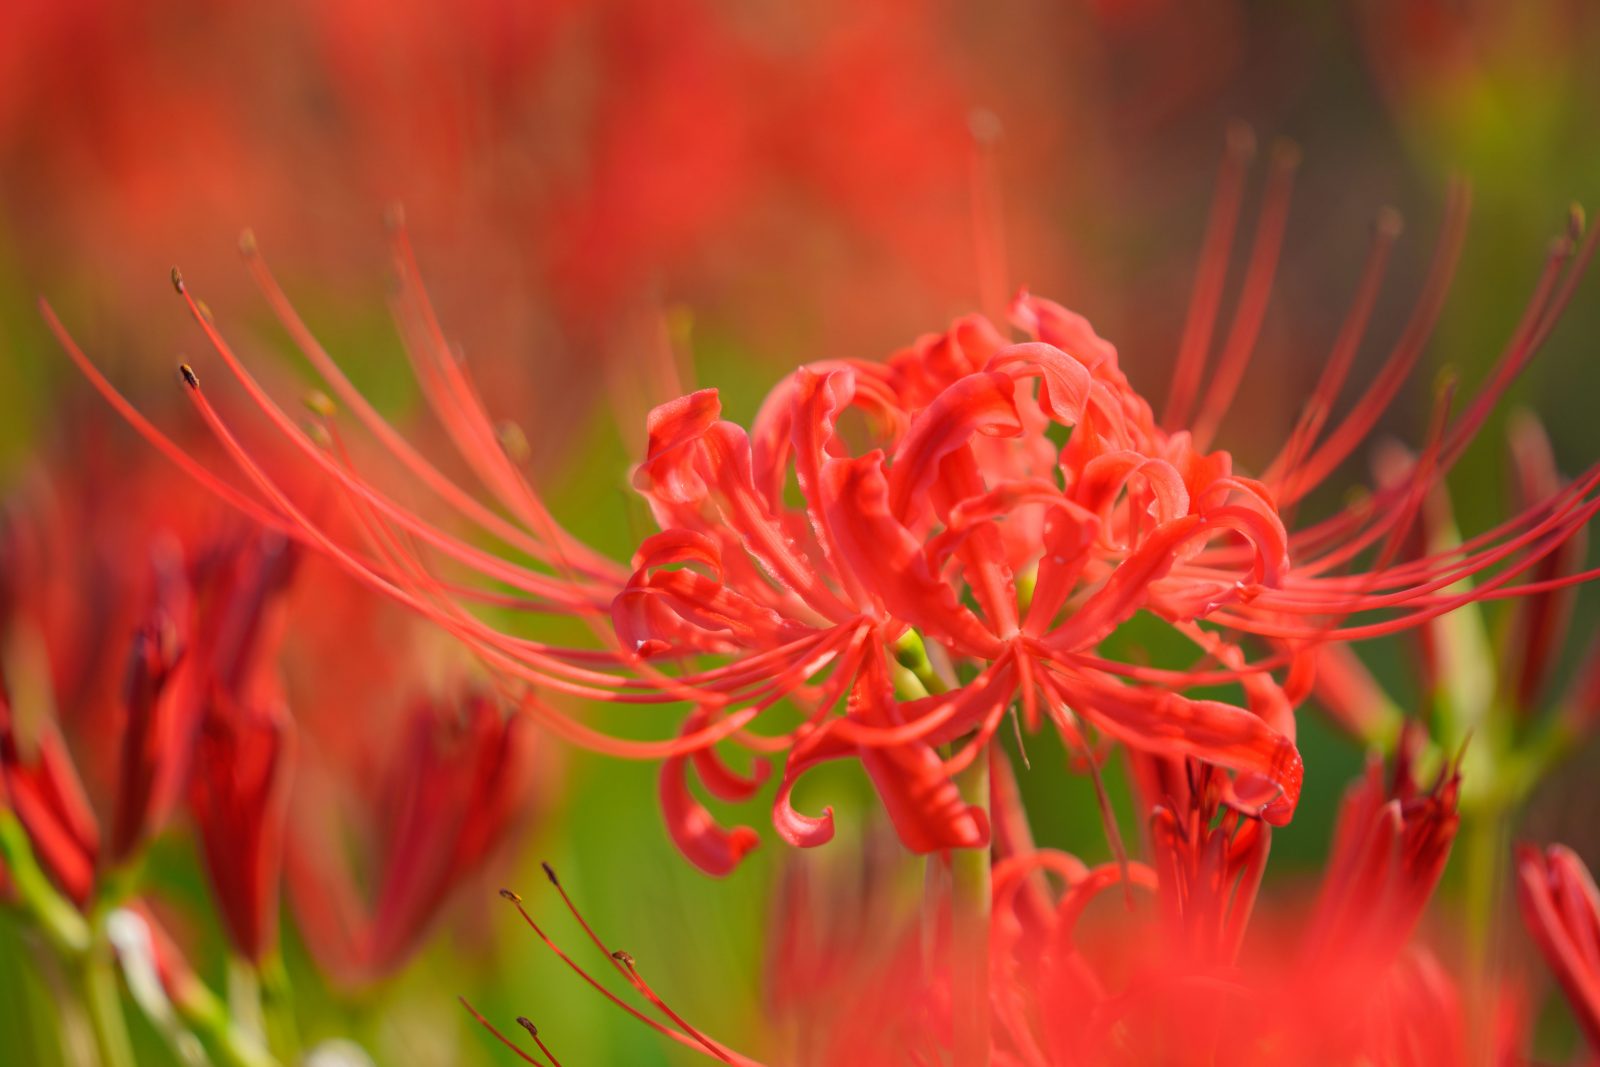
1204	301
1253	296
988	214
498	1036
533	1032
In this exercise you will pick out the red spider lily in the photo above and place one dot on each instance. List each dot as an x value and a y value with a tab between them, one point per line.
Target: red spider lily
238	798
238	788
449	798
98	640
1388	853
42	787
807	560
1079	975
1561	908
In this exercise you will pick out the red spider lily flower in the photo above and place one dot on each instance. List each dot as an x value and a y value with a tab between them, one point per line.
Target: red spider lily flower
238	798
1561	908
451	795
238	787
97	639
42	787
1095	977
877	509
1208	861
1388	853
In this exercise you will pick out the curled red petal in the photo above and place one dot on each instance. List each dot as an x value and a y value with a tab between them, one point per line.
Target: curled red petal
1128	588
723	782
889	560
977	404
794	826
710	846
1069	532
669	470
1213	732
926	808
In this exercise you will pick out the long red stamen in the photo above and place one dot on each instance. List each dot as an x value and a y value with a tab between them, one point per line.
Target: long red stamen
1221	225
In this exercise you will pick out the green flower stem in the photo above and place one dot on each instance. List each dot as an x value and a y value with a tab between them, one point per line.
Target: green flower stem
79	942
970	904
96	976
916	677
912	657
1483	842
60	922
226	1044
277	1009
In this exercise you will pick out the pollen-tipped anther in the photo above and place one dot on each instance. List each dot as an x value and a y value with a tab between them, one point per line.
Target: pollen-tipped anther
527	1024
186	372
177	280
513	441
1286	154
511	895
247	242
320	403
622	957
550	873
1576	221
1389	223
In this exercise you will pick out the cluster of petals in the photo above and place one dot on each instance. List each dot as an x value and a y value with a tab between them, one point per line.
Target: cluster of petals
1173	960
444	801
149	663
96	754
908	549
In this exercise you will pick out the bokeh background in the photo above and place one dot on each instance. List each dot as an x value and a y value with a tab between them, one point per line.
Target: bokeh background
750	185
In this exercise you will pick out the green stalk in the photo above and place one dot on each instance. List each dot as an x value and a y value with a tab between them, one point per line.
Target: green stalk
914	677
80	943
1484	855
61	923
970	903
277	1009
225	1043
96	976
